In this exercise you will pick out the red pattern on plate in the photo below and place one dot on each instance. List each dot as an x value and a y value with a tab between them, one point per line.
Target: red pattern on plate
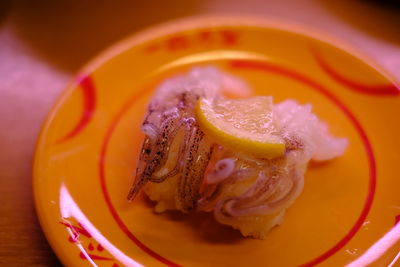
183	41
389	89
151	48
291	74
87	87
397	219
88	256
229	37
76	232
205	36
179	42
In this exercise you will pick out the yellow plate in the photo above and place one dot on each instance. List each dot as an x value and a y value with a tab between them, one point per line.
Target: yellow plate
87	152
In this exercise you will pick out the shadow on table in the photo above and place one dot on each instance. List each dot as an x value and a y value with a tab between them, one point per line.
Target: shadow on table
68	33
379	18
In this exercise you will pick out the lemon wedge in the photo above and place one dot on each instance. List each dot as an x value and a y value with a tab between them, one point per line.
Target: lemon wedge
243	125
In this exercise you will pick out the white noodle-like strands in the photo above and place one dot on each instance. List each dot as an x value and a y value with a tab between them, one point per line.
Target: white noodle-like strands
222	170
150	130
267	207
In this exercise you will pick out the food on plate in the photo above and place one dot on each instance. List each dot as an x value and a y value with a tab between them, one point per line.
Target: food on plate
242	159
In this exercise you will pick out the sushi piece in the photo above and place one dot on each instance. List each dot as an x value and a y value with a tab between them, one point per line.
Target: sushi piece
241	159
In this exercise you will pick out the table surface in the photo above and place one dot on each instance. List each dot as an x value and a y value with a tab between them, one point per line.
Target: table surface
43	43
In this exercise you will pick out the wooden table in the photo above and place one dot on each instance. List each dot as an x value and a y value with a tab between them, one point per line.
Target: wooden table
43	43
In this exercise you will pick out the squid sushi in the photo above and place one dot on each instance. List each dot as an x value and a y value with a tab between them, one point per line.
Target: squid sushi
242	159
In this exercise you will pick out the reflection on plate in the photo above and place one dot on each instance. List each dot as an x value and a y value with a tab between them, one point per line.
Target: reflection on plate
87	153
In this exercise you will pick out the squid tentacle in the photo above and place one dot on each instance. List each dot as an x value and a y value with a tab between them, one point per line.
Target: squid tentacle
141	179
177	167
196	158
230	207
212	192
187	123
193	156
154	154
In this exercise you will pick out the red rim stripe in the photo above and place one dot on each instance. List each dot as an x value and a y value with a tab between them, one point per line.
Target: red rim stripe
380	89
